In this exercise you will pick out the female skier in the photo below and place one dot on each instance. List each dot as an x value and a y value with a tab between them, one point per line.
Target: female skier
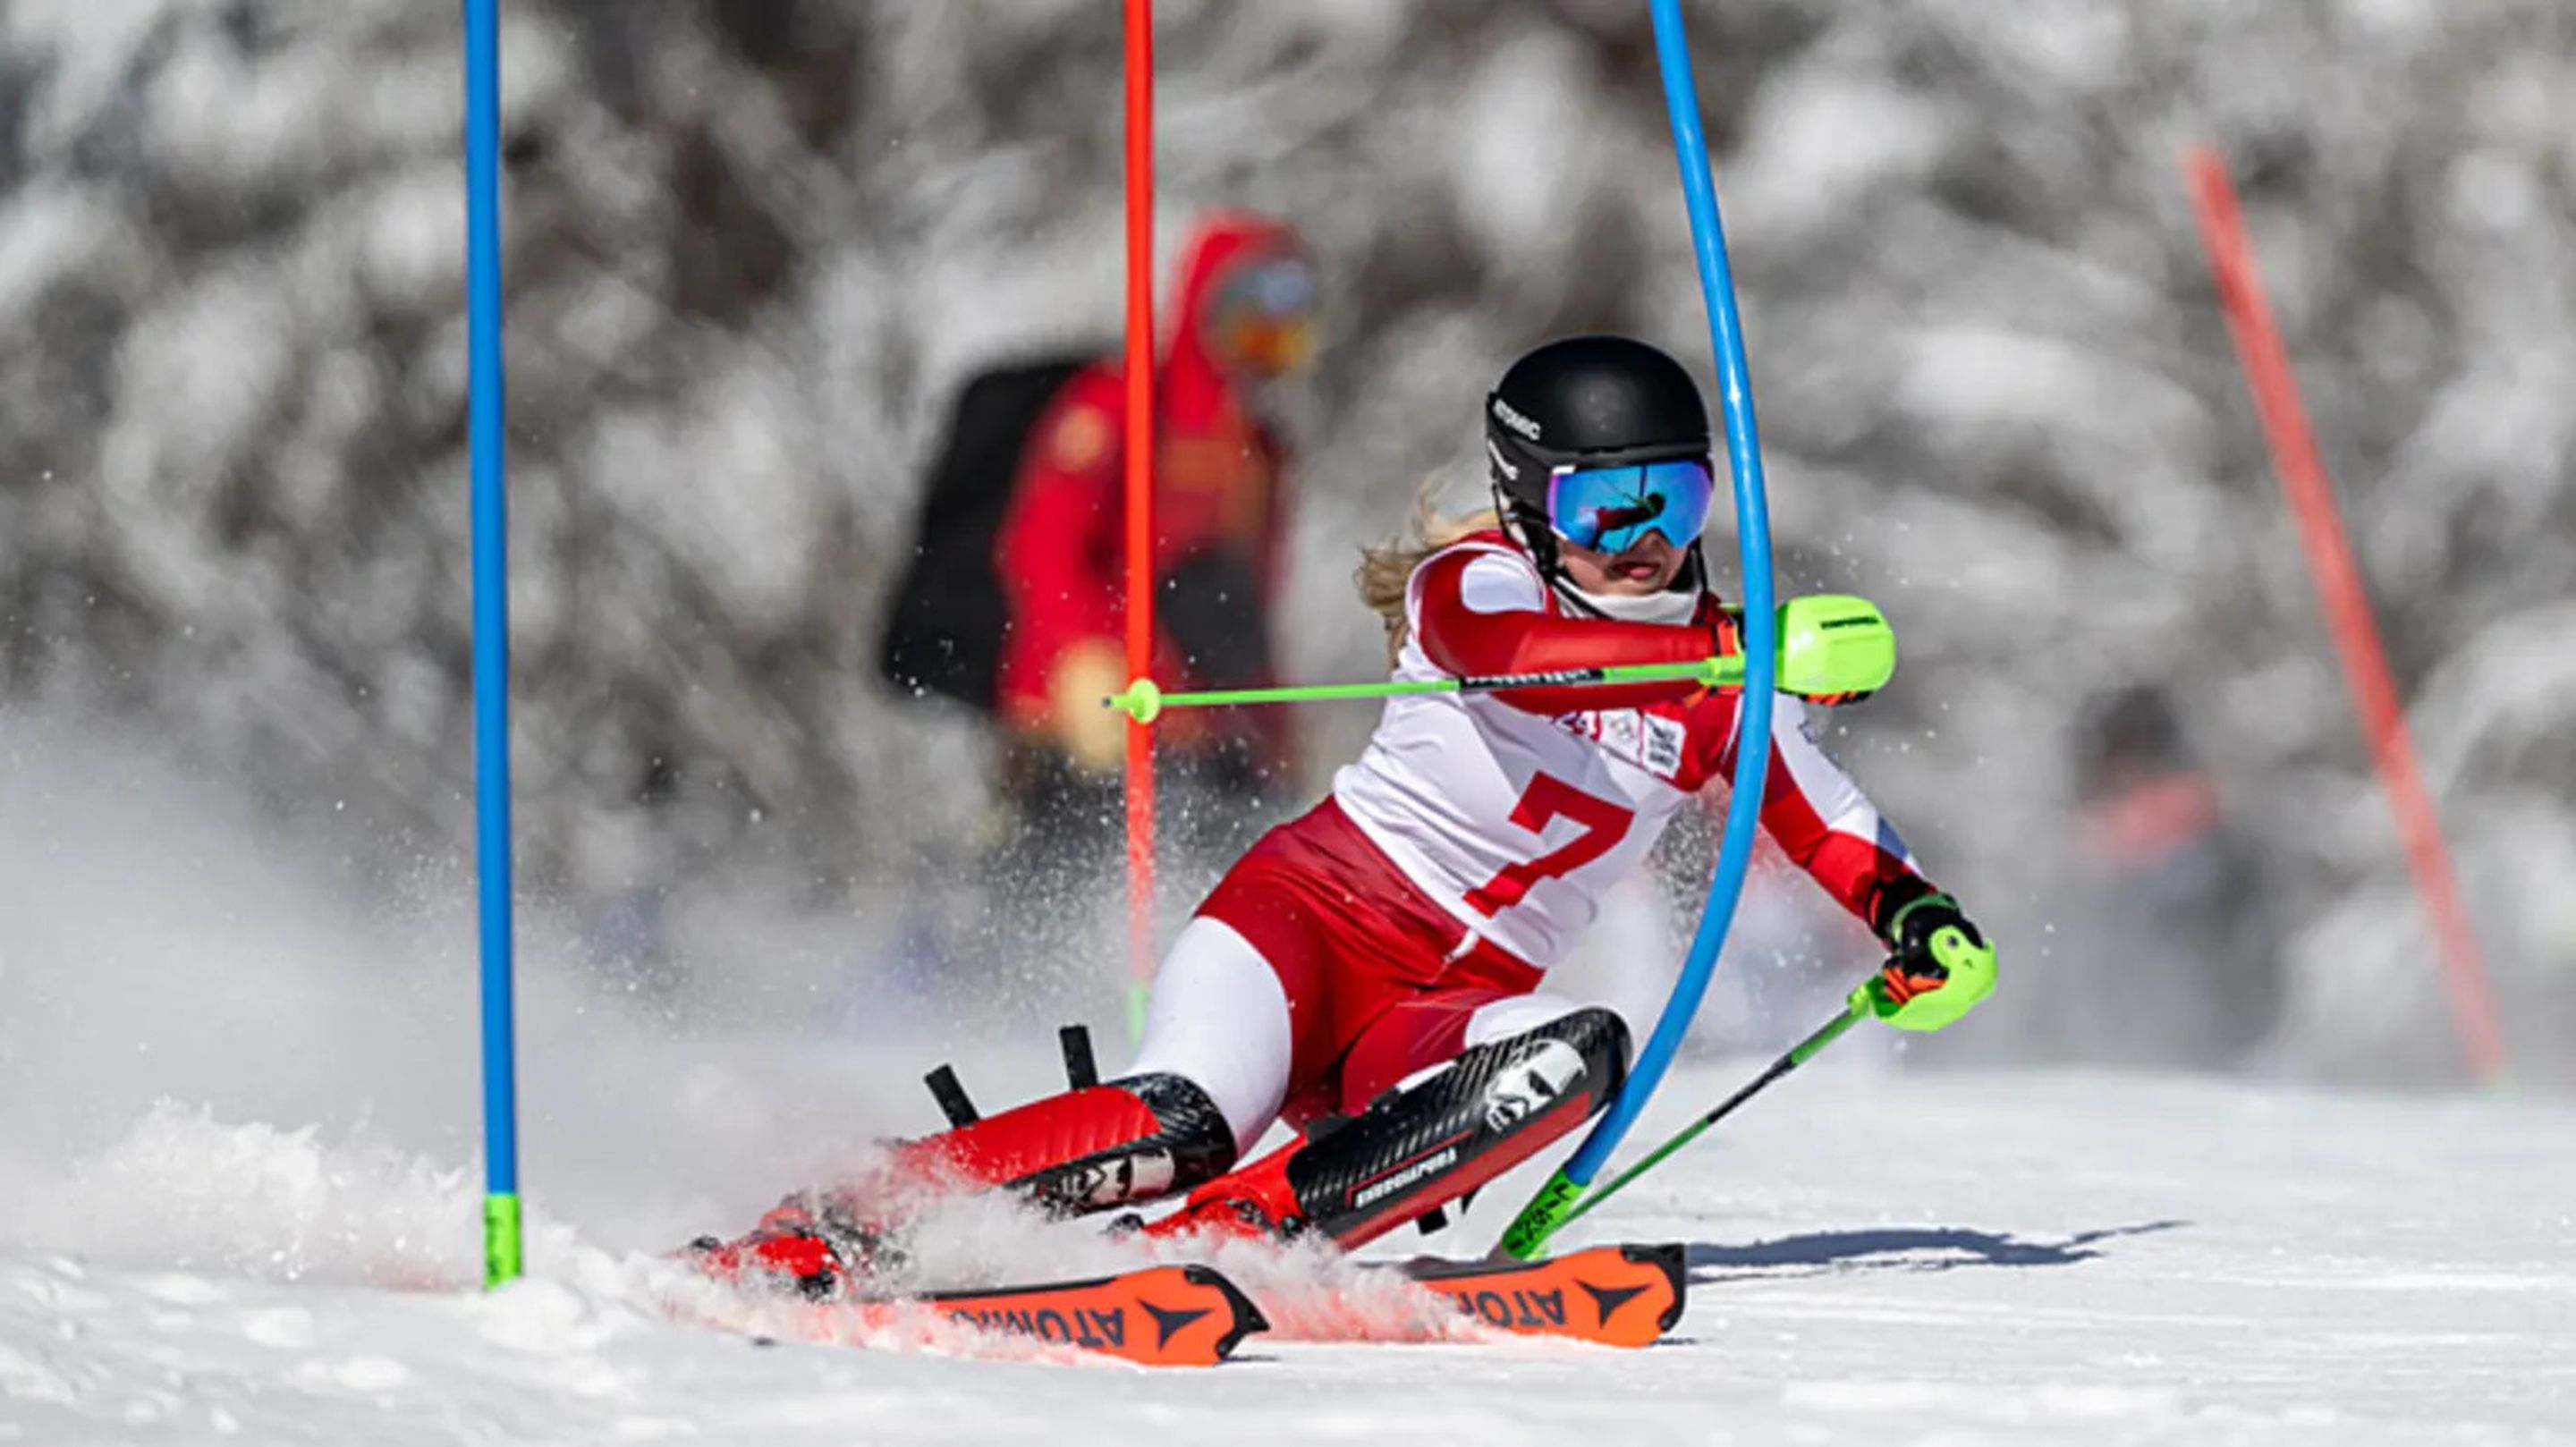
1373	972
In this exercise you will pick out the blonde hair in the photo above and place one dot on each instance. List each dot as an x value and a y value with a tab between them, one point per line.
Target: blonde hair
1386	571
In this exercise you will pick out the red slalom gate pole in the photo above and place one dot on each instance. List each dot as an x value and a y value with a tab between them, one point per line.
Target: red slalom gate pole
2347	606
1140	502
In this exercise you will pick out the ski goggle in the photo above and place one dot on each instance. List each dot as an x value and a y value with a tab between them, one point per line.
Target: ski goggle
1608	509
1262	315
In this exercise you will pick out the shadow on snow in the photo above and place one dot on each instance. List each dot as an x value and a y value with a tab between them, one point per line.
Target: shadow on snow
1897	1248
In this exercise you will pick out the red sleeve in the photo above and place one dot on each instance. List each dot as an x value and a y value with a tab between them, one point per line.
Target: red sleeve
1468	643
1057	554
1827	827
1859	873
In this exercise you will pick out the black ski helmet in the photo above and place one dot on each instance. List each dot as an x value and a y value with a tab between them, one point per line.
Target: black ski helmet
1594	401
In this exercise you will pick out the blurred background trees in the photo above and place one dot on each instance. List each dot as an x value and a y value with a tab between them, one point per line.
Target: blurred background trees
755	245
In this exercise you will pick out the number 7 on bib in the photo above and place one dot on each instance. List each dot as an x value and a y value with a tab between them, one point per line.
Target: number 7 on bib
1546	800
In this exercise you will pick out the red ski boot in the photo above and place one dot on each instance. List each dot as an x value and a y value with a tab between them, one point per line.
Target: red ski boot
1253	1203
796	1247
1086	1150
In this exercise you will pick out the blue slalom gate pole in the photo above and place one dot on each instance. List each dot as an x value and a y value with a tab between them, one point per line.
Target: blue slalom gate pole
1549	1209
491	635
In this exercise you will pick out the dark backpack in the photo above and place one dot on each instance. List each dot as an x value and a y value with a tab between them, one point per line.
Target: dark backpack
944	631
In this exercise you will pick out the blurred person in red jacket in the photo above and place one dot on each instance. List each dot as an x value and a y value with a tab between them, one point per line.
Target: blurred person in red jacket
1243	318
1015	598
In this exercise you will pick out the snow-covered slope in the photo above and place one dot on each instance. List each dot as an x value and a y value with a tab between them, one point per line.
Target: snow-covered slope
1875	1259
239	1175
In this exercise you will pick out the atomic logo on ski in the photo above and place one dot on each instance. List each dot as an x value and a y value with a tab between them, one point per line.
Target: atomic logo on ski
1166	1322
1198	1315
1607	1299
1528	1297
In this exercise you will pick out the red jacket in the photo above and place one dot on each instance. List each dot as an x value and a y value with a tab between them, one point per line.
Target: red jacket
1218	491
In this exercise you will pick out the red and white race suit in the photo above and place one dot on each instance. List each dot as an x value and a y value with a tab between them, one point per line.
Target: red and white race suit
1516	811
1360	949
1414	912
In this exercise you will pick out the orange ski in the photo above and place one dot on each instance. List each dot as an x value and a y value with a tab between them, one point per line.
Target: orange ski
1162	1316
1623	1296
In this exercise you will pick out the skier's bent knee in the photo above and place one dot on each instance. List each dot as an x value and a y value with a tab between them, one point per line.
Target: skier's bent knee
1426	1143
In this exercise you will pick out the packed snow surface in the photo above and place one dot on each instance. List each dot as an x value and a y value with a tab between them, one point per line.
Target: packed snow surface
1876	1258
240	1198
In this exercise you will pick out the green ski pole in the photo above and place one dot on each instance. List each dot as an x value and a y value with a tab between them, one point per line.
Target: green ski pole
1855	1009
1833	647
1143	701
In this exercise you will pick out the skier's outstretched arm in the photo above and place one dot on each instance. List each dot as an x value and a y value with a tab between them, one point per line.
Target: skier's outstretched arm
1484	613
1939	963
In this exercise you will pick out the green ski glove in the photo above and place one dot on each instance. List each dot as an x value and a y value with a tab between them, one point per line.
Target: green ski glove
1939	969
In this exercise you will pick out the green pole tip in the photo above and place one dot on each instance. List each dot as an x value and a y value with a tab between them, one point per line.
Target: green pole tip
500	1239
1539	1219
1142	701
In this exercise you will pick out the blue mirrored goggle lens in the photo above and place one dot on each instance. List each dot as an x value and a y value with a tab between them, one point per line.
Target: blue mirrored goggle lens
1608	509
1281	288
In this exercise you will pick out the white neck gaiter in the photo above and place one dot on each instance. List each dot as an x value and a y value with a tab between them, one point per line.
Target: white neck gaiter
1666	608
